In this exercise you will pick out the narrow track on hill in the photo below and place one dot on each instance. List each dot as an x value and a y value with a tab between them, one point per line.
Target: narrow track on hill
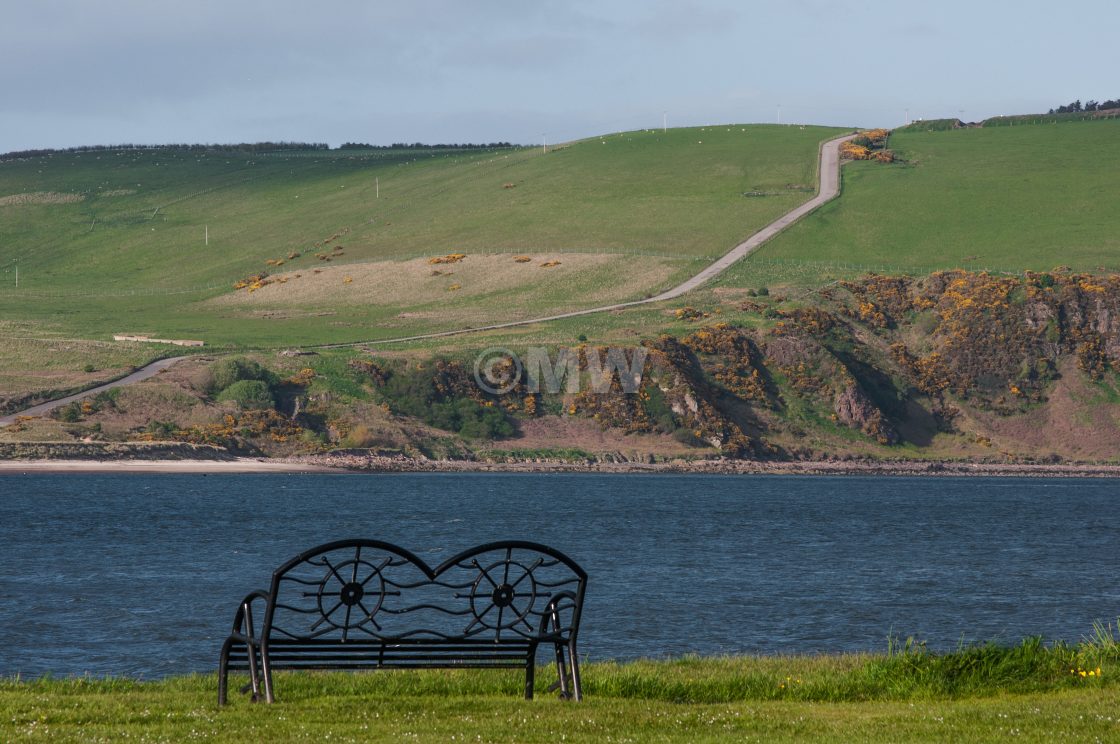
829	188
143	373
828	171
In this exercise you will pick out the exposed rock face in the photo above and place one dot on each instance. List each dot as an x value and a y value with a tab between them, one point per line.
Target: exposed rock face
853	408
888	357
1107	324
874	355
787	351
1037	315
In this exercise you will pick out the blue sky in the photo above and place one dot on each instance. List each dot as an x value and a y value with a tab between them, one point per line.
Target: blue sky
80	72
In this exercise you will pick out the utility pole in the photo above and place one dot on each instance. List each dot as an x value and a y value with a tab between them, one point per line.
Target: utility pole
544	142
906	116
664	121
779	113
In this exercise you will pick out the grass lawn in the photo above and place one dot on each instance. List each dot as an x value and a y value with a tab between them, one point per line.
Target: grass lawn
982	694
1004	198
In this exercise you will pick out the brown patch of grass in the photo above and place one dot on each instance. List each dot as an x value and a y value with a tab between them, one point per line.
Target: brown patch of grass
39	197
582	279
1075	421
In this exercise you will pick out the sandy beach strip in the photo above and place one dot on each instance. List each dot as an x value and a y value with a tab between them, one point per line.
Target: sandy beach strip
397	464
239	465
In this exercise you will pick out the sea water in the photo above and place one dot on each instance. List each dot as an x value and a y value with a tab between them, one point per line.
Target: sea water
140	575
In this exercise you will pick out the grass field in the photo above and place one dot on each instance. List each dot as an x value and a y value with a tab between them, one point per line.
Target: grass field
677	193
109	242
34	361
1004	198
136	221
1030	692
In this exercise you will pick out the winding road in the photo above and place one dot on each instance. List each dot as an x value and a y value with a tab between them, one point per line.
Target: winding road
143	373
829	189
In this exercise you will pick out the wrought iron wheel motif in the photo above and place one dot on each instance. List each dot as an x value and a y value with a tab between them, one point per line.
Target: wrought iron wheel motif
345	601
508	587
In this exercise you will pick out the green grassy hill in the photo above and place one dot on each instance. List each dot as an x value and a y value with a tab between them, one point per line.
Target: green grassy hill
942	365
114	241
1006	198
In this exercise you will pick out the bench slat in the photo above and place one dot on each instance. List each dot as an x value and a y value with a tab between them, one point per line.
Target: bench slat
290	666
374	656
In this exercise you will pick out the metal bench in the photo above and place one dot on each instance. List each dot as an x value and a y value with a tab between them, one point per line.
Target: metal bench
366	604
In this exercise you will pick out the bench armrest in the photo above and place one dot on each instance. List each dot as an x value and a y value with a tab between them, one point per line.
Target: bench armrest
243	627
552	621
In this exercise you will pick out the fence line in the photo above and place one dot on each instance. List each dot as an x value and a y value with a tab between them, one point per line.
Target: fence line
886	268
151	292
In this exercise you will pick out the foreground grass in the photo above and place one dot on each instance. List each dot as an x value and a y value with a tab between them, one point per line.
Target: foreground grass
976	694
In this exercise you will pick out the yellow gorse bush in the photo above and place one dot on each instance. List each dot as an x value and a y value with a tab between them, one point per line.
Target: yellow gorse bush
302	378
450	258
254	282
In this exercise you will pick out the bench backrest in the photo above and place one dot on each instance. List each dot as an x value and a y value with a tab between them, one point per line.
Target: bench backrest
362	590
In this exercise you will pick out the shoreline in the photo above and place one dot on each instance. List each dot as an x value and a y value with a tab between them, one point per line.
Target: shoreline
391	464
205	467
380	464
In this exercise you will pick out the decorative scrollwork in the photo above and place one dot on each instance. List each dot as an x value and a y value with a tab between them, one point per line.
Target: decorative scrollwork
507	586
344	601
372	590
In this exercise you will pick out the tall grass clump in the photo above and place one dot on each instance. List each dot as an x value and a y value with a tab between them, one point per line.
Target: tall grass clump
908	671
912	671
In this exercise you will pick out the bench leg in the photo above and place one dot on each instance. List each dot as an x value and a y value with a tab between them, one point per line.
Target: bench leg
223	672
254	674
269	695
530	673
561	682
573	662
